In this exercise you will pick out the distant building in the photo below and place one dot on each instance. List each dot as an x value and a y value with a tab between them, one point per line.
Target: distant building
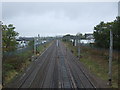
23	41
87	41
89	36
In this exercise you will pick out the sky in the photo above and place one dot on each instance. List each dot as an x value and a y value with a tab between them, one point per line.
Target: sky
60	18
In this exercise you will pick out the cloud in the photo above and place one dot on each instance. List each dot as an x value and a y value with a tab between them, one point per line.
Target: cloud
45	19
47	24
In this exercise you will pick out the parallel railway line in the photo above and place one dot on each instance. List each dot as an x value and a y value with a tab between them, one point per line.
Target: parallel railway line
57	67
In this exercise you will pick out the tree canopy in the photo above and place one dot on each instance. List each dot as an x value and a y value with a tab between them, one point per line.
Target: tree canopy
102	34
9	37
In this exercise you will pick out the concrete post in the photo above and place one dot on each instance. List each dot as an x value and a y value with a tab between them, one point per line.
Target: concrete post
34	45
0	55
110	57
79	47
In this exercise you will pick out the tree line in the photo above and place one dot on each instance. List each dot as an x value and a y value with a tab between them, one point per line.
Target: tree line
102	34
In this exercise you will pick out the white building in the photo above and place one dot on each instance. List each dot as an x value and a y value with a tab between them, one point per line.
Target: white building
22	44
87	41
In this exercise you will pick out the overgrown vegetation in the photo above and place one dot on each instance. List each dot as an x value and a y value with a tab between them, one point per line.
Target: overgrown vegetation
12	66
15	64
102	36
96	60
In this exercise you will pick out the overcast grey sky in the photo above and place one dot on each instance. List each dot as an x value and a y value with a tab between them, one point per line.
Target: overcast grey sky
49	19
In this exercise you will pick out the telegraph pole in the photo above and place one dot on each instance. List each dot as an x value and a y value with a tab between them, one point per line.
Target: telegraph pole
79	47
39	39
110	57
35	45
0	55
75	40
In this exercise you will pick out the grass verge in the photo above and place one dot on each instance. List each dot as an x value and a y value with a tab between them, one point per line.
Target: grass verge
14	65
96	61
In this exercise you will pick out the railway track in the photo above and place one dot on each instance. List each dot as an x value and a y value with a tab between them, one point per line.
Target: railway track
80	78
30	71
57	67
